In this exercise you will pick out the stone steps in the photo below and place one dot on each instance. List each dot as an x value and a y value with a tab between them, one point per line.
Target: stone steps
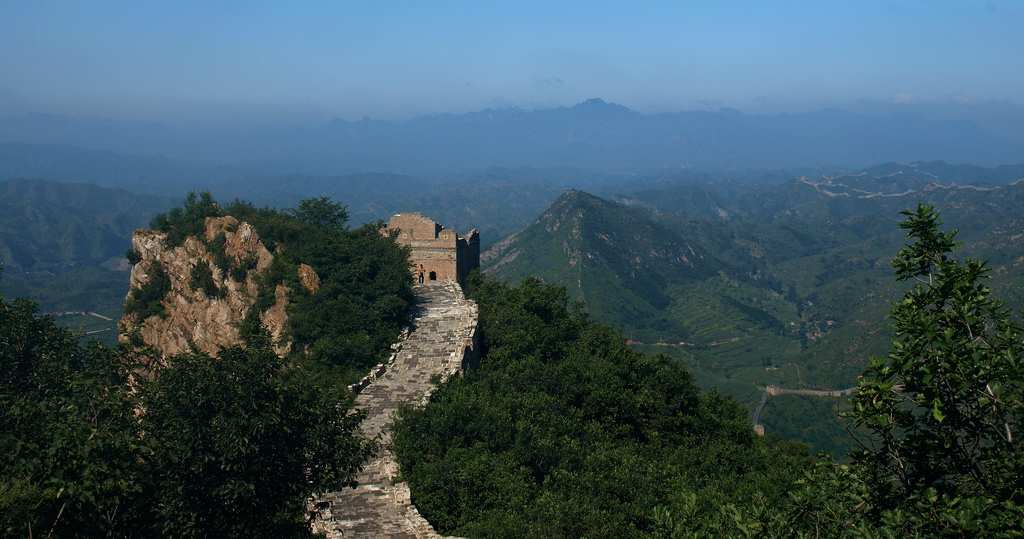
443	334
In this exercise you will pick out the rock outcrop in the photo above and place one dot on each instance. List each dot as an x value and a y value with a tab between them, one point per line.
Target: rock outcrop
309	279
194	319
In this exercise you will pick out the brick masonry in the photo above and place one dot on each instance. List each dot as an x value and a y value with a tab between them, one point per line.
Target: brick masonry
436	253
442	342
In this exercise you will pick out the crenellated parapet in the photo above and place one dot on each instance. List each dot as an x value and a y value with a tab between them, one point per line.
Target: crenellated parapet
436	253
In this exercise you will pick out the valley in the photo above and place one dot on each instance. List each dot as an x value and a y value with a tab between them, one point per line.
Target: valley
785	285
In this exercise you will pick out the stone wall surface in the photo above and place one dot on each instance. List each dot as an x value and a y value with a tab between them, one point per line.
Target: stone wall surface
437	253
442	341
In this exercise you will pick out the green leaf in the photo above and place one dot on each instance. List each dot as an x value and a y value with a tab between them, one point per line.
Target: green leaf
937	411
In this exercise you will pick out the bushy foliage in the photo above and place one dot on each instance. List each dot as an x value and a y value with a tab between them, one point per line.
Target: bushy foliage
365	286
217	250
942	457
201	278
321	212
564	431
945	409
227	447
132	256
188	220
241	268
69	446
239	444
146	300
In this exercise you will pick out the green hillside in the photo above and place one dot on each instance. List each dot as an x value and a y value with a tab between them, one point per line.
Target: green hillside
787	284
63	245
621	263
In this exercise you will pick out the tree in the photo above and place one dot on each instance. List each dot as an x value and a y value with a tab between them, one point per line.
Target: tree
225	447
564	431
69	447
944	410
239	443
189	220
322	212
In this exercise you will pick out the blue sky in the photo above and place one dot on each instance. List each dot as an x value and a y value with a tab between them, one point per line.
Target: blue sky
396	59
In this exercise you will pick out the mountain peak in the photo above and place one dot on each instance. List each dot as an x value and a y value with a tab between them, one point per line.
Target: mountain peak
620	261
600	105
575	199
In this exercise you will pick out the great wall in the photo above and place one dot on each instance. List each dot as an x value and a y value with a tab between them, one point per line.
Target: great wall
442	341
775	391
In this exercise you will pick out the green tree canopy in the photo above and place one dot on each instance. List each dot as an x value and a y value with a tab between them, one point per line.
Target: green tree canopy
945	408
231	446
940	416
70	451
563	431
238	444
321	212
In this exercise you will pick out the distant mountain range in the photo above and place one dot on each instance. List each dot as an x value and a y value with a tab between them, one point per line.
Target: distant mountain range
592	135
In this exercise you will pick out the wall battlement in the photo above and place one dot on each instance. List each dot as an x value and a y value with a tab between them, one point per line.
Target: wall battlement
437	253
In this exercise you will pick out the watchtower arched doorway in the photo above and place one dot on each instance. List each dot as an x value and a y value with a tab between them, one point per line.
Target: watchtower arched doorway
433	276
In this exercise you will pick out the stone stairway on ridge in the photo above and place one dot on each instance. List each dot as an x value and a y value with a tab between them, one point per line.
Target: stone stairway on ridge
442	340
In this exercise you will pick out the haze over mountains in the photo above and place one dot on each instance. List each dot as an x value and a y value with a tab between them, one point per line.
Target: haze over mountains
593	135
753	246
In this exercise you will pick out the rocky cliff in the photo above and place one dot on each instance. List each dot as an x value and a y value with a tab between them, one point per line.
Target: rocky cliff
208	286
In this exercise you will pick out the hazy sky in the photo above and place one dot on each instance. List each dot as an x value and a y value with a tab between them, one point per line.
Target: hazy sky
396	59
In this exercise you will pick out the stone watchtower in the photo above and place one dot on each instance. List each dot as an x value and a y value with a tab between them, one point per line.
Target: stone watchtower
438	254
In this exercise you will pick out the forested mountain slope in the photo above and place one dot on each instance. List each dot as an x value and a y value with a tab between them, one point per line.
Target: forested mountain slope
63	244
790	283
46	225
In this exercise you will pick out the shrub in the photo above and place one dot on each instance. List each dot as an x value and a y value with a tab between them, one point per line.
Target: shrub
201	278
219	253
69	460
188	220
145	301
132	256
241	269
232	447
239	444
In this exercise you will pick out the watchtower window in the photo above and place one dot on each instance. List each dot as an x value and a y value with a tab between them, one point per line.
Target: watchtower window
433	276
